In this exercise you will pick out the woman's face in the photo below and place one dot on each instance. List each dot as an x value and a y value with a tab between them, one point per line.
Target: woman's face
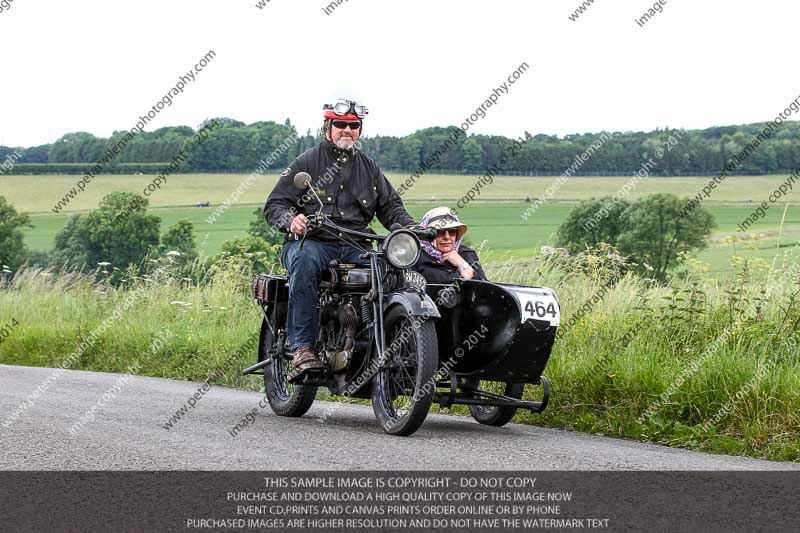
445	239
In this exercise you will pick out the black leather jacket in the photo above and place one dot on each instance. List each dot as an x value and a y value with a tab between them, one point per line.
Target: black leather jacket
434	272
351	186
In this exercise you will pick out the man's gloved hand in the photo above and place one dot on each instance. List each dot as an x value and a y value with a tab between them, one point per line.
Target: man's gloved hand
425	234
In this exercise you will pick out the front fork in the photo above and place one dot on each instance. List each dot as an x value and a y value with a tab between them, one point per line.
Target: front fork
377	304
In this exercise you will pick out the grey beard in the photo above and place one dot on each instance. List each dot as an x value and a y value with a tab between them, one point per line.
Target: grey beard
345	144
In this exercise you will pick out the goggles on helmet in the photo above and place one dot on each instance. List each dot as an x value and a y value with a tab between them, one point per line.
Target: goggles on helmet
344	108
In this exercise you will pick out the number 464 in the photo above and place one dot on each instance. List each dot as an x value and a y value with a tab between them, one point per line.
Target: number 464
538	309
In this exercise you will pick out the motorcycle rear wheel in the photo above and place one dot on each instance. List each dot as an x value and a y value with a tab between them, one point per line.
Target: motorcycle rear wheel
285	399
403	390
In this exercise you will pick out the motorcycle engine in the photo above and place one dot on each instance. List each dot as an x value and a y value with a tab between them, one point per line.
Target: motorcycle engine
340	341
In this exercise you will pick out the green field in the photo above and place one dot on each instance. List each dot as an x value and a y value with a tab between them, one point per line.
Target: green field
40	193
494	217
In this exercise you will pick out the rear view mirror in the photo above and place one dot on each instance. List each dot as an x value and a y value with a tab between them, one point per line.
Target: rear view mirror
302	180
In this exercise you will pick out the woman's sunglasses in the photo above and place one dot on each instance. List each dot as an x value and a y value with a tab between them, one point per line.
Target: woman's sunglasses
442	232
342	124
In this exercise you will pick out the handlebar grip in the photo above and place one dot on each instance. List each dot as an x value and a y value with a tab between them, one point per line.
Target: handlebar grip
426	234
312	222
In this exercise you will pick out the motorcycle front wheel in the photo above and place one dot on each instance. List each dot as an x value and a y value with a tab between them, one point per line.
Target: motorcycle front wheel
285	399
403	388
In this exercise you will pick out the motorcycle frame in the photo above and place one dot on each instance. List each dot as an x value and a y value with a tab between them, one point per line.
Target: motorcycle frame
378	341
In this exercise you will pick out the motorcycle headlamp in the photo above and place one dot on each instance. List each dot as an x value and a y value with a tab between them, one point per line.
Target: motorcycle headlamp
401	249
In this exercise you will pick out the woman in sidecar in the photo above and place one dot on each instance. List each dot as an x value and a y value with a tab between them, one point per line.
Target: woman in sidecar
493	338
445	258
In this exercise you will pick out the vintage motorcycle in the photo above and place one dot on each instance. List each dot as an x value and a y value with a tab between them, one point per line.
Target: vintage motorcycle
387	335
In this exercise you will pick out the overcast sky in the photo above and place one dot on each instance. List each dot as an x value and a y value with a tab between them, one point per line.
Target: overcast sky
96	65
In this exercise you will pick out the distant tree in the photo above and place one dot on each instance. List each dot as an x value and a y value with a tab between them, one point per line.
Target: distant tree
36	154
225	121
592	222
79	147
71	244
260	228
119	232
5	151
473	155
12	246
651	232
656	232
180	238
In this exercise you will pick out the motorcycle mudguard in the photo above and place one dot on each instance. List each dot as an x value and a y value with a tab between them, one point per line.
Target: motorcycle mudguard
414	303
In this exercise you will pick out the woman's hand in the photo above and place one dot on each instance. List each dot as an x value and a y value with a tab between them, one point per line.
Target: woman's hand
453	257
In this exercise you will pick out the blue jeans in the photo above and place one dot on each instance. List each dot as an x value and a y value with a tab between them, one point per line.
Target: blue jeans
305	272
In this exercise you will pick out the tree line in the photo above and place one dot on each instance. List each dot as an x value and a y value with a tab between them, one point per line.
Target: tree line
239	147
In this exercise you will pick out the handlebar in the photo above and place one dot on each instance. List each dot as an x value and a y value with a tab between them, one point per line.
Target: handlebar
426	234
323	220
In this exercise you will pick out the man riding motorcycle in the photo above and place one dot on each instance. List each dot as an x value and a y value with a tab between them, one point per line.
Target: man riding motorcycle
352	190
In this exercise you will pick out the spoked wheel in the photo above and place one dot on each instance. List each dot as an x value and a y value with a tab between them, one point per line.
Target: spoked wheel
403	389
285	399
493	415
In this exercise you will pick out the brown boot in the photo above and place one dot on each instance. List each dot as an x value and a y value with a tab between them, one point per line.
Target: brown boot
303	359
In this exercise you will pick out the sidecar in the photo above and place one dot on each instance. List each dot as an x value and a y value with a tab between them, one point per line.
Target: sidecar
494	338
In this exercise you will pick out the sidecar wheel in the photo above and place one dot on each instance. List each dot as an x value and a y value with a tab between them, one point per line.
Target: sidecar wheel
285	399
497	416
403	391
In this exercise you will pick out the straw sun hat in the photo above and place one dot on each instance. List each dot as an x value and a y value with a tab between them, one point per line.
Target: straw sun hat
443	218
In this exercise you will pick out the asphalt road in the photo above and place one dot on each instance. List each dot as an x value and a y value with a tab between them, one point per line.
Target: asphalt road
128	434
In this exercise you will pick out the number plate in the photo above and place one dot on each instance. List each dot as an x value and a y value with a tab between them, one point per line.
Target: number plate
539	304
415	279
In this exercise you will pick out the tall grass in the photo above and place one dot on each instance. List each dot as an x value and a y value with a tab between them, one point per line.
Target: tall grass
607	370
642	339
57	311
